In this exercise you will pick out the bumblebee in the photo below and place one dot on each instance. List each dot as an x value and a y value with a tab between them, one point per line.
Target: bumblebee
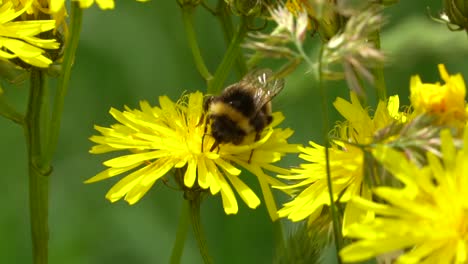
242	108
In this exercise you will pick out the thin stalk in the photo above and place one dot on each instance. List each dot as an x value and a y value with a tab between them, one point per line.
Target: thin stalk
187	16
9	112
333	208
39	168
181	234
378	71
197	228
71	45
278	234
229	58
225	20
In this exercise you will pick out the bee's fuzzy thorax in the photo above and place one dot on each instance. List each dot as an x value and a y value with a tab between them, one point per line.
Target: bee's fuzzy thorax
223	109
242	108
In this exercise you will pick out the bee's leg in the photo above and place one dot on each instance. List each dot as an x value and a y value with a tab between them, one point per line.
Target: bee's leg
204	132
206	105
257	137
203	141
202	118
250	157
215	145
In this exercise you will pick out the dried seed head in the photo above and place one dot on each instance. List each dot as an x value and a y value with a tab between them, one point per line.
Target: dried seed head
323	15
414	138
353	50
285	41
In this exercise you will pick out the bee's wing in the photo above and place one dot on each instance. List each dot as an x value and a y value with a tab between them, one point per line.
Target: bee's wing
265	84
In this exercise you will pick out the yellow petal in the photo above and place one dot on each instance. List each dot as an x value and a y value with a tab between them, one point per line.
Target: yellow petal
123	186
204	175
227	167
227	195
105	4
128	160
214	174
56	5
190	173
111	172
443	72
247	195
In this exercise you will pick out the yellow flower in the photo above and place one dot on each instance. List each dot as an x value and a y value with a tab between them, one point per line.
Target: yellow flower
43	8
17	37
447	102
428	218
170	136
346	163
297	6
56	5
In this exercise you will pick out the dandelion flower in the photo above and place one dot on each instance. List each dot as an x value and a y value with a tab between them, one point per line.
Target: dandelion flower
170	136
56	5
428	218
298	6
17	38
36	9
447	101
346	163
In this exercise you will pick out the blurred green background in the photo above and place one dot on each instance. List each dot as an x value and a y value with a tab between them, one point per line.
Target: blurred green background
138	52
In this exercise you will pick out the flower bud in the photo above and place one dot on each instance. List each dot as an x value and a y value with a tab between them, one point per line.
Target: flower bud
457	12
323	14
330	22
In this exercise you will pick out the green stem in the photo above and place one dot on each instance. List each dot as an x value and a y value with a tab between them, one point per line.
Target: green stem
228	29
333	208
378	71
9	112
68	60
229	58
39	168
187	17
197	228
279	234
181	234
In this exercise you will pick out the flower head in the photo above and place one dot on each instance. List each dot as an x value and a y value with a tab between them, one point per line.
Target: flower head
40	9
170	137
346	163
17	38
323	15
429	216
446	102
56	5
353	51
285	41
